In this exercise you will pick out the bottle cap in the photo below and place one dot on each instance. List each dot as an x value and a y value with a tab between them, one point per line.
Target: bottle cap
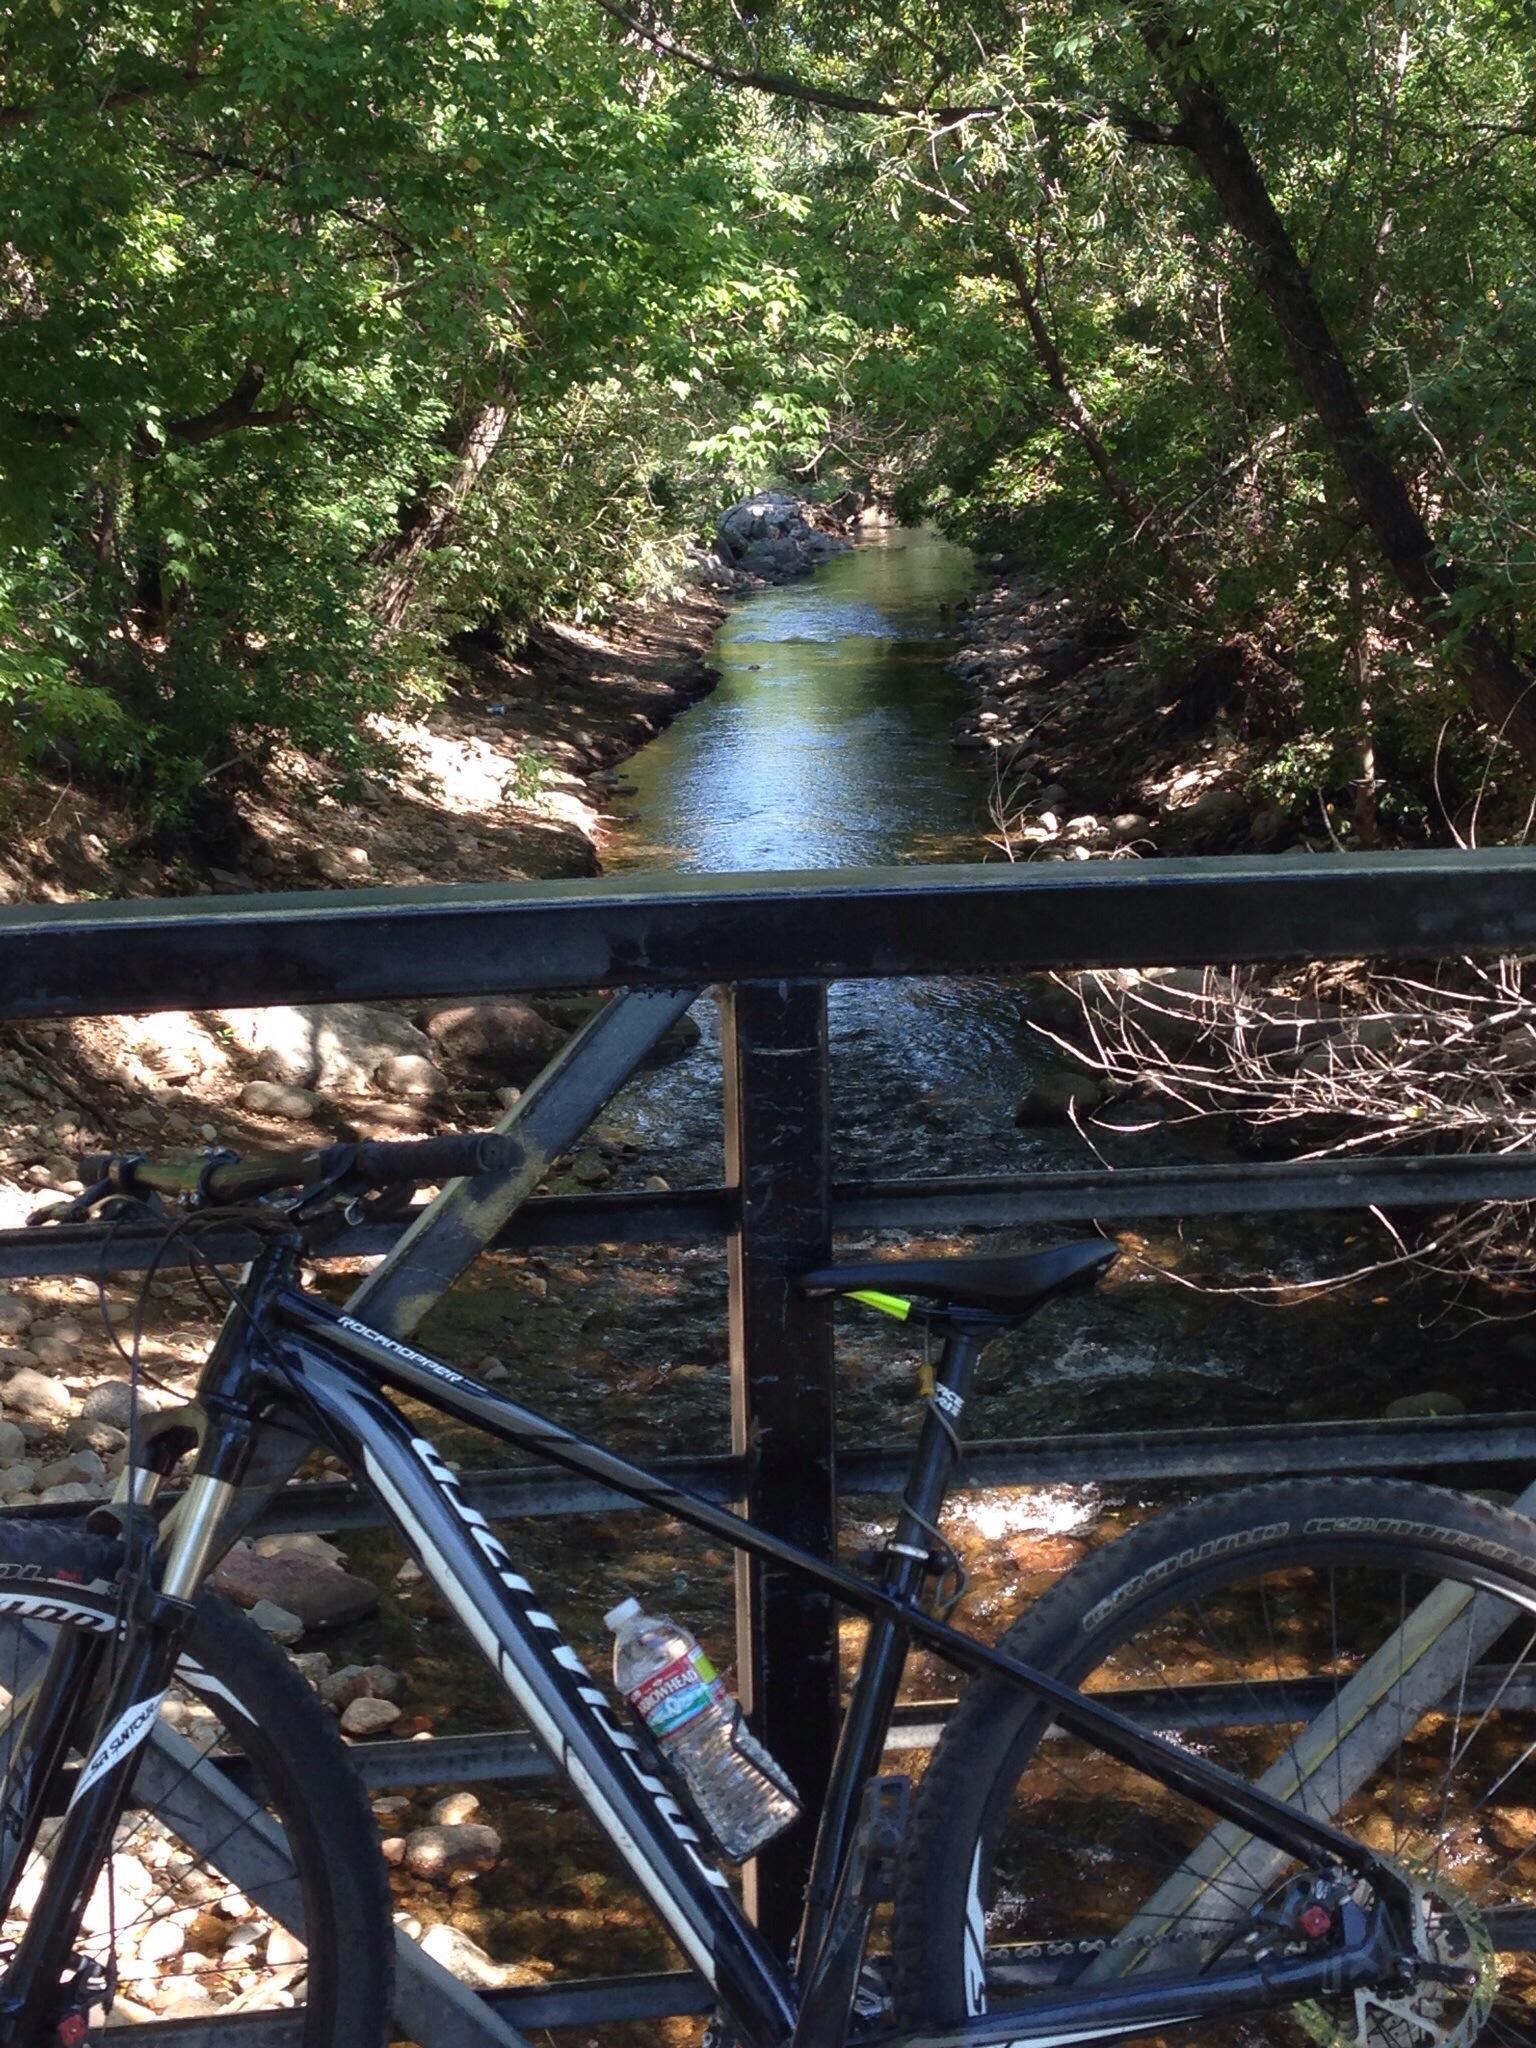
617	1616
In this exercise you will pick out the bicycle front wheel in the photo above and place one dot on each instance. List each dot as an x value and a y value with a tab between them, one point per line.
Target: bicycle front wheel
245	1876
1364	1649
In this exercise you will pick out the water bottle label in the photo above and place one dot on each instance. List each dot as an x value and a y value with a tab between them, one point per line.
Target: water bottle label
675	1693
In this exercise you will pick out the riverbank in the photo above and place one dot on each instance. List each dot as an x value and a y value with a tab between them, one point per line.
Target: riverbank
1095	751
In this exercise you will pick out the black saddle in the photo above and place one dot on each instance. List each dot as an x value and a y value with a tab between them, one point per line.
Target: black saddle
1005	1287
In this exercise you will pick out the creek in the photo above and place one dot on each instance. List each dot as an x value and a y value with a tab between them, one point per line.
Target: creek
827	744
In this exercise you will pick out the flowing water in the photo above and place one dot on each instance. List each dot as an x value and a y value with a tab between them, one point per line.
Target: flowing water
827	745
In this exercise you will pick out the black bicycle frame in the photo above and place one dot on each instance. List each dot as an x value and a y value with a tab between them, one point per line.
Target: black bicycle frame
326	1372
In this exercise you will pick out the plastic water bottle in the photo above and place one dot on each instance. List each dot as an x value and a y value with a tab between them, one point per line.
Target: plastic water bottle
736	1785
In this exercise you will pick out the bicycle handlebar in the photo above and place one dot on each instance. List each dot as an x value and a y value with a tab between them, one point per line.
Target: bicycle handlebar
220	1182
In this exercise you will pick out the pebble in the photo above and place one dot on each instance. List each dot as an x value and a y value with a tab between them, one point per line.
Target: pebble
369	1717
276	1621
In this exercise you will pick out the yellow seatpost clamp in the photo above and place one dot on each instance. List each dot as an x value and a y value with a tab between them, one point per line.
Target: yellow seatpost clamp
888	1304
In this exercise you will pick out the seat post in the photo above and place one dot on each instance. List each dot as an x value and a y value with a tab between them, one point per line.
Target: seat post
909	1546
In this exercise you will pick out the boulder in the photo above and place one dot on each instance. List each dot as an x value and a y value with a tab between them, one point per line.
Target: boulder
335	1048
1055	1098
322	1595
501	1041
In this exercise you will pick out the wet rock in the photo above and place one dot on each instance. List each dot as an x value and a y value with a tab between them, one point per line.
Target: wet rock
281	1623
410	1076
454	1809
448	1854
1055	1098
1428	1403
451	1947
321	1594
31	1396
359	1682
499	1041
276	1098
368	1716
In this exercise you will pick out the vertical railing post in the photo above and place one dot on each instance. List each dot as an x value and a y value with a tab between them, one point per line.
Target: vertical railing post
774	1051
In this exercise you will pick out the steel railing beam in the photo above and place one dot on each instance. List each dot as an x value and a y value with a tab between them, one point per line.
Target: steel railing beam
677	930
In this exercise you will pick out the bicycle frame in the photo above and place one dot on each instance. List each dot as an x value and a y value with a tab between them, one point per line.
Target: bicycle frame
301	1363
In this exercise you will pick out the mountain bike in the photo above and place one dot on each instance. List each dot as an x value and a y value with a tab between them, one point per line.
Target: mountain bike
1261	1768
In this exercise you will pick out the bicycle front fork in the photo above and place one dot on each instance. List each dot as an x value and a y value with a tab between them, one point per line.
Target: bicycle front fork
48	1990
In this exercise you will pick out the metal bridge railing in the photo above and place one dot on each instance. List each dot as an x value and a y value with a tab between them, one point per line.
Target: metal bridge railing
768	945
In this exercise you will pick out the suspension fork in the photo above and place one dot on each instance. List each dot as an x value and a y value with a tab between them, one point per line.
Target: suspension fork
840	1899
140	1665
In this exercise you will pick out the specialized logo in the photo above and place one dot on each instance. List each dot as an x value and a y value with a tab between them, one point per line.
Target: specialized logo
524	1687
120	1740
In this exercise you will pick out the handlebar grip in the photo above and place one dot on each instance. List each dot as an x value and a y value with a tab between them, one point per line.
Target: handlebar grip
415	1159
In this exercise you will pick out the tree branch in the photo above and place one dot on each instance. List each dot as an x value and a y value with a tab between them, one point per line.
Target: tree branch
779	83
229	416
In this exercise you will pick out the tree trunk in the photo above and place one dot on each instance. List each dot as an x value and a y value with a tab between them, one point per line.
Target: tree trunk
1498	688
428	524
1075	415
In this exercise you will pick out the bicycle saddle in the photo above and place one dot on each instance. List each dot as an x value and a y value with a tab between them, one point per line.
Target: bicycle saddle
1009	1286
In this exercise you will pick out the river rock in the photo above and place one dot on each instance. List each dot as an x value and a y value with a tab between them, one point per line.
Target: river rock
281	1623
1054	1098
15	1316
99	1437
359	1682
368	1716
454	1809
111	1402
13	1445
16	1480
80	1466
501	1041
320	1594
335	1048
776	535
410	1076
1429	1403
31	1396
275	1098
452	1948
448	1854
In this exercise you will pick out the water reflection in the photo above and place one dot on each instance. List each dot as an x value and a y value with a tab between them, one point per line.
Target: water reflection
826	745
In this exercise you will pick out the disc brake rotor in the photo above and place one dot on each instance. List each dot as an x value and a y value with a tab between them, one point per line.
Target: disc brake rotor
1448	1929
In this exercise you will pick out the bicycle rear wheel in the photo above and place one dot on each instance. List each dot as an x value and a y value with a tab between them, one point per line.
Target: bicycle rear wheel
1365	1649
245	1875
